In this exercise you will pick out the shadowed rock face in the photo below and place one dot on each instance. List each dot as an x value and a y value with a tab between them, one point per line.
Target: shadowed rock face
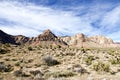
6	38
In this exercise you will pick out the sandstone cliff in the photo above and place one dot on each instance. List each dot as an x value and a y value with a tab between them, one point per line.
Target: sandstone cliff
80	40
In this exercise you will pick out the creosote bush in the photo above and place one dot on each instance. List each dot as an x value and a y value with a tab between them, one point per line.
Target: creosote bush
50	61
30	48
100	66
7	45
115	60
3	51
89	59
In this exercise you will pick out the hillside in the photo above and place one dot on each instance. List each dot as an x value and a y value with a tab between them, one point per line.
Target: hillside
48	57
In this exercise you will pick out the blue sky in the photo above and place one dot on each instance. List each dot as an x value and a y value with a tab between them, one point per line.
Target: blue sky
63	17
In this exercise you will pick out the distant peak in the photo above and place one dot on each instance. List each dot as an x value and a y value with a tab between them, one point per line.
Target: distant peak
47	35
47	31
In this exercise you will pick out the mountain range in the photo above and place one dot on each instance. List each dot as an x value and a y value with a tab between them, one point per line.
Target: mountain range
48	38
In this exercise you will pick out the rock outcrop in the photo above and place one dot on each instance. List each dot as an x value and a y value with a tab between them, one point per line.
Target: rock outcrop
20	39
74	40
80	40
46	38
101	40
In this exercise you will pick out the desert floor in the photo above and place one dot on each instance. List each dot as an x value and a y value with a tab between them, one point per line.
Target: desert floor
56	63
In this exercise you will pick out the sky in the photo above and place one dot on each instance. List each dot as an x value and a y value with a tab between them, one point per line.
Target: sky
62	17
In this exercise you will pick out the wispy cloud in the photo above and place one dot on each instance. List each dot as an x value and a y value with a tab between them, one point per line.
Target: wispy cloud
30	19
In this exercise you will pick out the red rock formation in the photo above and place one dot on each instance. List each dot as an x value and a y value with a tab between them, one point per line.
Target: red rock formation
46	38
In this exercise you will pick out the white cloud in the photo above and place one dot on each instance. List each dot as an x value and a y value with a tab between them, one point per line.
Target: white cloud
111	19
18	30
31	19
39	17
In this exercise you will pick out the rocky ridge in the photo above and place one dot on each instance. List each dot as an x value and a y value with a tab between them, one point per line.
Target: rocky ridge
80	40
48	38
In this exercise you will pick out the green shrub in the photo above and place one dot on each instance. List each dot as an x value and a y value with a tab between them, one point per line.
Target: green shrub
7	44
82	50
30	48
115	60
99	66
3	51
111	52
89	59
17	63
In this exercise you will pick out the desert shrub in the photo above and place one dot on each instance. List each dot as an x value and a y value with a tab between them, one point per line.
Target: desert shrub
8	68
77	69
36	72
113	72
80	70
17	63
7	44
37	65
111	52
30	60
7	59
99	66
14	59
60	74
50	61
69	54
64	74
5	68
58	46
20	73
88	59
30	48
3	51
115	60
82	50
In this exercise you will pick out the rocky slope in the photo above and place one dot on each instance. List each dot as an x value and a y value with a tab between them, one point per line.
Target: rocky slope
47	38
